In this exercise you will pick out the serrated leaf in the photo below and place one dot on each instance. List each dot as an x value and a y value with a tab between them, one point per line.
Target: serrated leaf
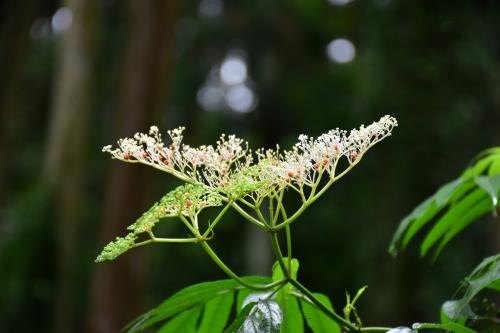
455	311
191	296
316	319
216	313
451	327
254	297
184	322
264	317
240	318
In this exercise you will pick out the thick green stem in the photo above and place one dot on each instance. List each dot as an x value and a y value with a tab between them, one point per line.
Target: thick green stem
234	276
279	255
289	246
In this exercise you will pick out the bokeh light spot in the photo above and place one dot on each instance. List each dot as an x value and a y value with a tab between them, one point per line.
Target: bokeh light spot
240	98
62	19
233	70
341	50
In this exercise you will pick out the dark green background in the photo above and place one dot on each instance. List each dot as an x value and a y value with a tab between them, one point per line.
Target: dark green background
434	65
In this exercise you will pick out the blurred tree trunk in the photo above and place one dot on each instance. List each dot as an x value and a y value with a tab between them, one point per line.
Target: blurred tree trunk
65	156
117	288
14	42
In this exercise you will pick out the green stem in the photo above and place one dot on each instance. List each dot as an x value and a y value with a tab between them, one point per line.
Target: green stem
175	240
188	225
279	207
259	214
375	329
247	216
234	276
289	247
315	197
217	219
330	313
279	255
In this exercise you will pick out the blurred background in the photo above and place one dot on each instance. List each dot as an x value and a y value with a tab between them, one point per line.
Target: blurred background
78	74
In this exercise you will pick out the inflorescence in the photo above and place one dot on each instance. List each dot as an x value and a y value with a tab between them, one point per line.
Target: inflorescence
231	172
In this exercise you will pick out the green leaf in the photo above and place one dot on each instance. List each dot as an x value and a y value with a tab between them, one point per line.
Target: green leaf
292	317
241	297
480	209
240	318
216	313
452	327
483	276
495	285
264	317
316	319
278	273
184	322
458	196
424	212
445	222
495	167
191	296
455	311
480	166
490	185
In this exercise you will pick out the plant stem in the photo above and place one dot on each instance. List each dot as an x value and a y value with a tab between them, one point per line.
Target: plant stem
234	276
375	329
315	197
279	255
174	240
330	313
289	246
248	216
217	219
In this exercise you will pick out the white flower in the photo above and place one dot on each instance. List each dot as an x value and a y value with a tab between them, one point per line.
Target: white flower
215	166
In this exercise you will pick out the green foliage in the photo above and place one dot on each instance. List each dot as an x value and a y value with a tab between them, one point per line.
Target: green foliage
485	275
316	320
264	317
292	317
216	313
206	308
455	205
184	322
206	295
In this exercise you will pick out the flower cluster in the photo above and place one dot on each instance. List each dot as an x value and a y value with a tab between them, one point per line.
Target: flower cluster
227	172
229	165
187	200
